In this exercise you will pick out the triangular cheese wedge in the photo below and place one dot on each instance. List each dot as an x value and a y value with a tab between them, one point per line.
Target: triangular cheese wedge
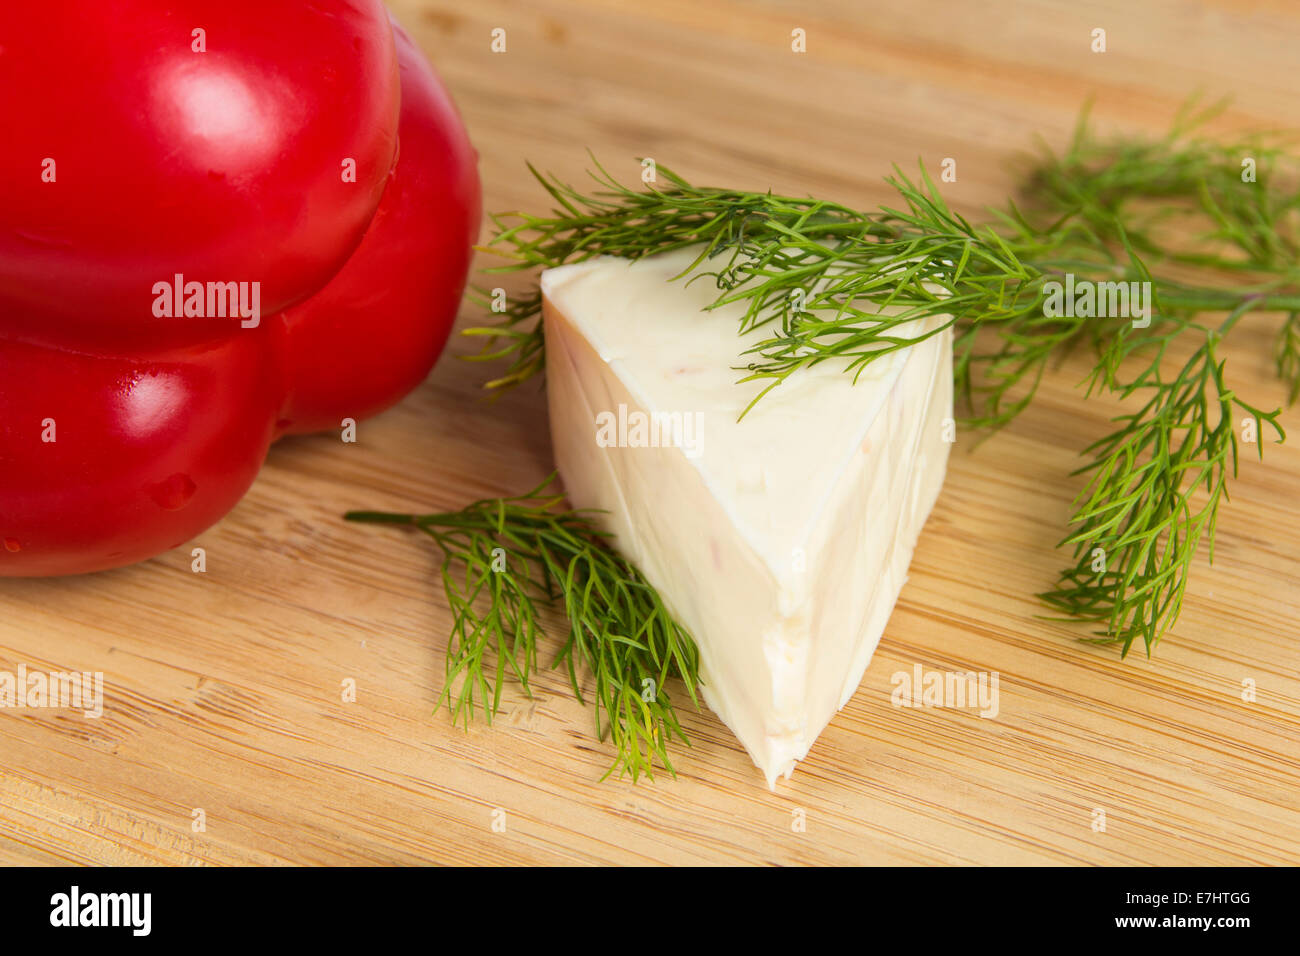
780	541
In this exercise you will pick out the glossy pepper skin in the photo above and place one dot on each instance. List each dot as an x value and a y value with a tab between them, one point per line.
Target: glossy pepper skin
124	433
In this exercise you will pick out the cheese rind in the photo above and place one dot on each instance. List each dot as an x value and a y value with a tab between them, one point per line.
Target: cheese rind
782	540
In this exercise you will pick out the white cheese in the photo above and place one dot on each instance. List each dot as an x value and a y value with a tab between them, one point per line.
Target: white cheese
780	541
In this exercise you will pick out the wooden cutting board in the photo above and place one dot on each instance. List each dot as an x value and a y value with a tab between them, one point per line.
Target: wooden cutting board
224	689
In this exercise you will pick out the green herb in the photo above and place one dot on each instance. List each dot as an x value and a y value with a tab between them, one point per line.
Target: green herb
1137	524
1182	200
521	553
819	274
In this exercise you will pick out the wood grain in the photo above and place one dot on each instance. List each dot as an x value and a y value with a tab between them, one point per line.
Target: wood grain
224	689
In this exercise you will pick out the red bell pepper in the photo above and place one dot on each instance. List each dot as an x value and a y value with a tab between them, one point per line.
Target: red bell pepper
219	224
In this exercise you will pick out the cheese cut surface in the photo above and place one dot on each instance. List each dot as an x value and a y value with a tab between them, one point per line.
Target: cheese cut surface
781	541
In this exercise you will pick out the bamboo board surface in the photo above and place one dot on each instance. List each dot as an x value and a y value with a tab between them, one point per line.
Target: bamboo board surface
223	689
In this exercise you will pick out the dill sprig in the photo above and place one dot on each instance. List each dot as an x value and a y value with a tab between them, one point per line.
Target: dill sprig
1181	199
516	338
1178	205
1138	523
506	558
830	282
